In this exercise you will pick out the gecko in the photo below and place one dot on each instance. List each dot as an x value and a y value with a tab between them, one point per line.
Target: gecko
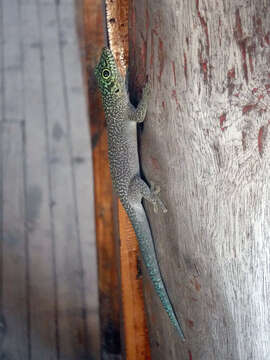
122	119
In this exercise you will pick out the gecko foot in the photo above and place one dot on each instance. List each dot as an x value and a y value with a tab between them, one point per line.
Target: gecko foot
157	202
146	90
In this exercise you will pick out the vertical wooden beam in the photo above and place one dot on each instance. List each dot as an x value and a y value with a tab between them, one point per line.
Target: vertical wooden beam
135	329
135	335
109	297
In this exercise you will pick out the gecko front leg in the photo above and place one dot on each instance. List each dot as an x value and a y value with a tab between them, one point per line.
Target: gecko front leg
138	114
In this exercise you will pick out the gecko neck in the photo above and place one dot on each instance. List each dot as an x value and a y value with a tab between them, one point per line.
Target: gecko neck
115	106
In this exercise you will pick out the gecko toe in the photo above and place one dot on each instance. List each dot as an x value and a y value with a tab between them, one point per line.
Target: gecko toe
155	189
162	206
147	89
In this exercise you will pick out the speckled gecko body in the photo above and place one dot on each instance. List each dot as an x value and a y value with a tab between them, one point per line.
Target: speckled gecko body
122	119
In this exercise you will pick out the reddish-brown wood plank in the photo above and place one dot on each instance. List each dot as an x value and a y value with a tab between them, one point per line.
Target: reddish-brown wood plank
109	295
135	335
135	329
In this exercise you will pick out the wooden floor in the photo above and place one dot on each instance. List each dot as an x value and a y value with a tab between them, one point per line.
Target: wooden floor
48	268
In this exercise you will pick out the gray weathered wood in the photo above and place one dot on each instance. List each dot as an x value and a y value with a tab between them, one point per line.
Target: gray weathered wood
80	151
206	142
14	245
70	299
42	276
1	63
12	61
48	290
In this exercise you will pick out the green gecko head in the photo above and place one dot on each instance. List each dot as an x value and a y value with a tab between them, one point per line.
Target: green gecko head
110	81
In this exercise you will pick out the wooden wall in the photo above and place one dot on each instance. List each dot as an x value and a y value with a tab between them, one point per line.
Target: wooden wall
48	255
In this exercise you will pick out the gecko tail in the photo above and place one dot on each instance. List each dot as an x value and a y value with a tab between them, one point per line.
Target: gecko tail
141	226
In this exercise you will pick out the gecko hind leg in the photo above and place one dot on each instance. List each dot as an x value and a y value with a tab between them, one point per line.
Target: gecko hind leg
138	189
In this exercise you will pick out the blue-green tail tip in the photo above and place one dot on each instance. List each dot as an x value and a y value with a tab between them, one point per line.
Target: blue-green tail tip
180	332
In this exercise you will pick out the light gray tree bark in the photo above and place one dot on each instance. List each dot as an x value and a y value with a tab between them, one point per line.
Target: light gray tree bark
205	141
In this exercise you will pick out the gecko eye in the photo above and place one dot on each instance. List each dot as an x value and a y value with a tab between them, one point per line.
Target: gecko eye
117	90
106	73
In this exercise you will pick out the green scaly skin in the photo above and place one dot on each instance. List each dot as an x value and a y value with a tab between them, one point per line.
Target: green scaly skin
122	119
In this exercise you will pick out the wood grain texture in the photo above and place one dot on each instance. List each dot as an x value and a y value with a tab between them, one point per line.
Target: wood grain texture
108	280
48	259
40	244
14	244
12	60
205	142
1	64
80	151
70	295
135	332
117	25
135	328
